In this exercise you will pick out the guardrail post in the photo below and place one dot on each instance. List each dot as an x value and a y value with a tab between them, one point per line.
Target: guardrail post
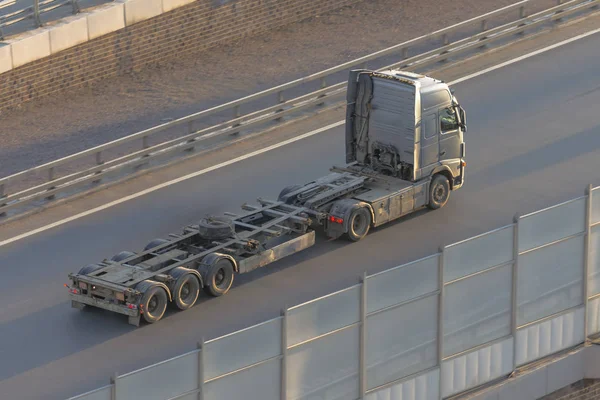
236	114
190	129
113	388
522	15
515	270
323	86
586	258
484	27
75	6
558	3
362	357
284	314
99	161
36	13
200	346
50	179
446	42
440	319
2	196
280	99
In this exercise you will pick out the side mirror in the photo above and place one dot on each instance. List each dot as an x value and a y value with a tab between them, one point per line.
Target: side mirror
463	118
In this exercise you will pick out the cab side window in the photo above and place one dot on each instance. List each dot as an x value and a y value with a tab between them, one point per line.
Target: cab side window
448	120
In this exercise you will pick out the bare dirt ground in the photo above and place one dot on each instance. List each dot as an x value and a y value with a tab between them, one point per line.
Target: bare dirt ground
47	129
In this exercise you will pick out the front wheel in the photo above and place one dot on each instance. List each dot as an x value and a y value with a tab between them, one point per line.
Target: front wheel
439	192
359	224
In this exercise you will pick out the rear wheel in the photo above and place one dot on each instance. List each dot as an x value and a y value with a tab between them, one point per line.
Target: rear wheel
439	192
154	304
88	269
122	255
219	278
186	291
155	243
358	224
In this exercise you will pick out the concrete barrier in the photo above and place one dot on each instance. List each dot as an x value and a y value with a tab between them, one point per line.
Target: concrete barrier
68	33
169	5
141	10
34	46
6	62
105	20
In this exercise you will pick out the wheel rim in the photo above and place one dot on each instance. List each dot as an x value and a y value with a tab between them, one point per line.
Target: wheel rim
439	193
220	277
358	225
152	304
185	291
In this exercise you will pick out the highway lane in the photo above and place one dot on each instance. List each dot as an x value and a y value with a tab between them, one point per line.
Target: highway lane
533	140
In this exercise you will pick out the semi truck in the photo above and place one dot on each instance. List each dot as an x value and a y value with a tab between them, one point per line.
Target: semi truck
405	150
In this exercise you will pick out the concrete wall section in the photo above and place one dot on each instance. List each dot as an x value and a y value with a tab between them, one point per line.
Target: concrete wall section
141	10
70	32
119	43
5	58
105	20
30	48
565	371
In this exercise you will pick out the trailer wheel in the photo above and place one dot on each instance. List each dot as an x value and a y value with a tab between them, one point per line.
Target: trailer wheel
359	224
186	291
154	304
219	278
439	192
88	269
216	228
287	190
122	255
155	243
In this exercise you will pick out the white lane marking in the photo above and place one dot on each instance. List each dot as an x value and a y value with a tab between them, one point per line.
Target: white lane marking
169	183
264	150
523	57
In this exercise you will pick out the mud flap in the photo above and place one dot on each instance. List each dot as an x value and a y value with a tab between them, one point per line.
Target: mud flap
134	320
77	304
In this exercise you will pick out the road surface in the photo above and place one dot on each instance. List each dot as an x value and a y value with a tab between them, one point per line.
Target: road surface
533	141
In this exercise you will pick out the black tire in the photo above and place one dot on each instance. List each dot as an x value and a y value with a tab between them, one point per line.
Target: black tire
287	190
186	291
88	269
154	303
155	243
216	228
122	255
219	278
439	192
359	224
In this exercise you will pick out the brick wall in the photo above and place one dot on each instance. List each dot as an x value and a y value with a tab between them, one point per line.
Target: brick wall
194	27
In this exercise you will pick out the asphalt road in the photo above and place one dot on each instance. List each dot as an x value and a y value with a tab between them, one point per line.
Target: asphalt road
533	141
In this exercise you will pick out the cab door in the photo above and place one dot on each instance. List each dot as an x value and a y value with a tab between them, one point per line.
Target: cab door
450	139
430	144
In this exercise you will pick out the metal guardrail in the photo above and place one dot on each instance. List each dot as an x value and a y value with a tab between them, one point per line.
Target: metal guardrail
33	10
138	152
